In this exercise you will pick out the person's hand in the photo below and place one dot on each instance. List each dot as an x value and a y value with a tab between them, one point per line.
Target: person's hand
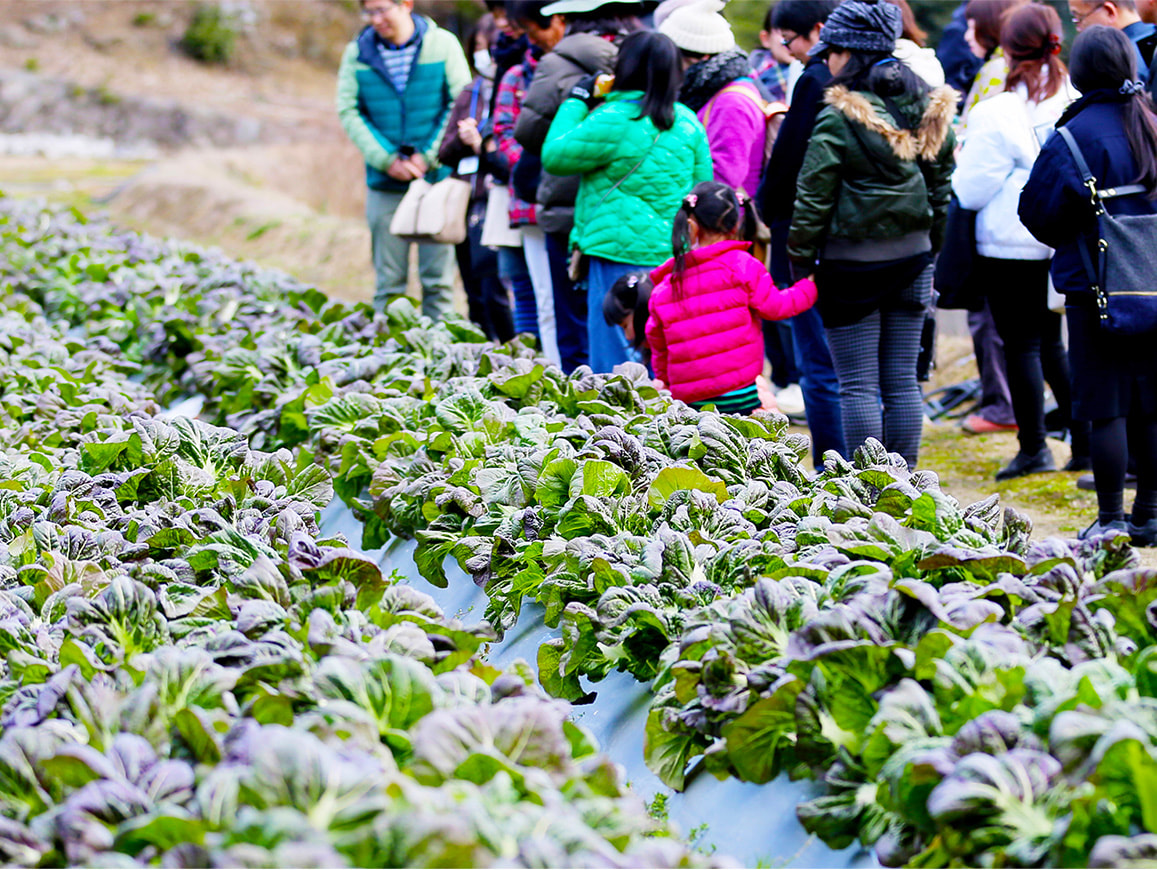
419	165
468	133
401	170
584	89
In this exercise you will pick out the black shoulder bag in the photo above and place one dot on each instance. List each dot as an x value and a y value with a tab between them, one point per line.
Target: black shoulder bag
1124	279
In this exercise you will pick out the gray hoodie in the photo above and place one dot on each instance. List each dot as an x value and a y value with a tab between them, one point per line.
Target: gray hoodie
575	56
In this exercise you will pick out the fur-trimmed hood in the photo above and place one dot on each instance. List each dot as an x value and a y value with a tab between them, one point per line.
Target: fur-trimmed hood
924	142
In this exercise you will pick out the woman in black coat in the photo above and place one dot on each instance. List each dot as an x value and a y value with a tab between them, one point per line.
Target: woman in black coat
1114	376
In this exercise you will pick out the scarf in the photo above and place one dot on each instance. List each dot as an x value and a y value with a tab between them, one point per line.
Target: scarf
1092	98
708	77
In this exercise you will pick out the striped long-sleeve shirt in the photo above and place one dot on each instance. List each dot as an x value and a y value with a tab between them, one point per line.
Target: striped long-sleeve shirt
507	105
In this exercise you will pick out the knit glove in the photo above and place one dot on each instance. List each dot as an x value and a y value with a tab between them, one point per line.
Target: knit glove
584	89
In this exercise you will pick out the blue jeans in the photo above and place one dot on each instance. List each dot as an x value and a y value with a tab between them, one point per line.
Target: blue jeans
820	386
608	344
514	274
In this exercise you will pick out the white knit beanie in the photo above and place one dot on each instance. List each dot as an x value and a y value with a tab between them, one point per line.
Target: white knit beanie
698	28
663	10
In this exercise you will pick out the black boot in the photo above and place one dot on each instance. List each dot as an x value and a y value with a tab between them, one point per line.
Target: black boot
1028	463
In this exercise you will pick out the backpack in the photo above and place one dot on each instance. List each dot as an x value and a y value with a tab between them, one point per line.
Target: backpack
772	114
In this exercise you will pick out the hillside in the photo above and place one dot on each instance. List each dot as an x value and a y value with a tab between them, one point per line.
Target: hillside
98	101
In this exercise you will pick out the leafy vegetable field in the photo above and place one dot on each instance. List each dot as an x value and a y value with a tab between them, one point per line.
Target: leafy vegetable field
196	675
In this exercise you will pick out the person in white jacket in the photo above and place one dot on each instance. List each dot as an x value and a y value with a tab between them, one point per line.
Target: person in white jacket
910	48
1004	137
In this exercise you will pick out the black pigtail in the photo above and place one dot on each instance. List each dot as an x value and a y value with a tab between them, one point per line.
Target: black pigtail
750	226
680	245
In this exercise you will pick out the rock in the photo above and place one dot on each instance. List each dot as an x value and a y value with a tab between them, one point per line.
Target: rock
17	37
35	104
103	43
45	24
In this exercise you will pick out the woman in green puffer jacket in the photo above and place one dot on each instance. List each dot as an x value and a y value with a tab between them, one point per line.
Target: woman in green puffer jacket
638	153
871	204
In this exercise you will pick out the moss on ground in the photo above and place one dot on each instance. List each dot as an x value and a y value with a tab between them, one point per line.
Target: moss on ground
967	465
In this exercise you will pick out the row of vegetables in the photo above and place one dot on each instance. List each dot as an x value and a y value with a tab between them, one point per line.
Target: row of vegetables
966	696
192	674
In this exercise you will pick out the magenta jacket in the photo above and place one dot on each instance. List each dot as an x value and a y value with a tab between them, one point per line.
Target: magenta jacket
709	341
736	131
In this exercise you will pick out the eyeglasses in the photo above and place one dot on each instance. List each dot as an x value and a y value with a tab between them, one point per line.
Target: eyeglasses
377	12
788	41
1078	20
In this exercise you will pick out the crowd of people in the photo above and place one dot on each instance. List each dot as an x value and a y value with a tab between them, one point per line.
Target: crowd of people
643	189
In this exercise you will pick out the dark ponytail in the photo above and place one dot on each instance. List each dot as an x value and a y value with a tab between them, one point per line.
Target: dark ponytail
1104	59
881	74
630	296
717	208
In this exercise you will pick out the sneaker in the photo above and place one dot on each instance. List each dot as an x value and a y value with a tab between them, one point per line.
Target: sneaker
1085	481
1028	463
790	400
974	424
1144	535
1097	529
1079	463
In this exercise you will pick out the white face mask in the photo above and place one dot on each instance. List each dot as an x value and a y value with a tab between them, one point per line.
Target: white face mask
484	63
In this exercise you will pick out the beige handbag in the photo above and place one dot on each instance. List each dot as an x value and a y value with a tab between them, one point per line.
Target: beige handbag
496	229
433	212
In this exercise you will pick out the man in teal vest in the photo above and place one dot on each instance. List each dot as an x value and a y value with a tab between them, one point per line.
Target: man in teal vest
395	87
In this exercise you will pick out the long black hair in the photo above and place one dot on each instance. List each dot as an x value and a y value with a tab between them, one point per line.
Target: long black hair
1104	59
630	296
879	73
650	62
717	208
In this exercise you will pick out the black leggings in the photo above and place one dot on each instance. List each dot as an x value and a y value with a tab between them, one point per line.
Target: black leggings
1112	442
1033	350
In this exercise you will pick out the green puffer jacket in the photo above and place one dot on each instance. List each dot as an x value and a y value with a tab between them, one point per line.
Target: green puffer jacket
870	190
630	223
380	120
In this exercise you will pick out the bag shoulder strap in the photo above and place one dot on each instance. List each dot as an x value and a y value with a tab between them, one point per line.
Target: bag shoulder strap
1090	182
1088	178
631	172
769	110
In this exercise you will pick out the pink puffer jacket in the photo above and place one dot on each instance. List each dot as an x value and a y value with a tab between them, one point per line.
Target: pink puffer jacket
709	341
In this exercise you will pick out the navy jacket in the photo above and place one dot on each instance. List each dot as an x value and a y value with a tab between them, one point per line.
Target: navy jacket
1054	204
960	64
776	196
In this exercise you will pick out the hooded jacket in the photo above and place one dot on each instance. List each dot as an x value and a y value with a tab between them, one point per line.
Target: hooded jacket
708	340
994	164
634	176
922	61
575	57
870	190
380	120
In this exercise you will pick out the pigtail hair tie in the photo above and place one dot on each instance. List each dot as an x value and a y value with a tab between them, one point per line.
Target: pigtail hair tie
1131	89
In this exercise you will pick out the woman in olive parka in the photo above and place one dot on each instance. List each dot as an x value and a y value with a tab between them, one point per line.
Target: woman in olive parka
871	204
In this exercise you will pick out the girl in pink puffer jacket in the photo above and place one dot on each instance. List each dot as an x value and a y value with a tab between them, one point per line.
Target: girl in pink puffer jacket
704	329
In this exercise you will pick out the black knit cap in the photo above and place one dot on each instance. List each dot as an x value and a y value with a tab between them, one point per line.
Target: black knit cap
861	25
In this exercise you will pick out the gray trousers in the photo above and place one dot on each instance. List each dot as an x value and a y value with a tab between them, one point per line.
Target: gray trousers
391	257
875	359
